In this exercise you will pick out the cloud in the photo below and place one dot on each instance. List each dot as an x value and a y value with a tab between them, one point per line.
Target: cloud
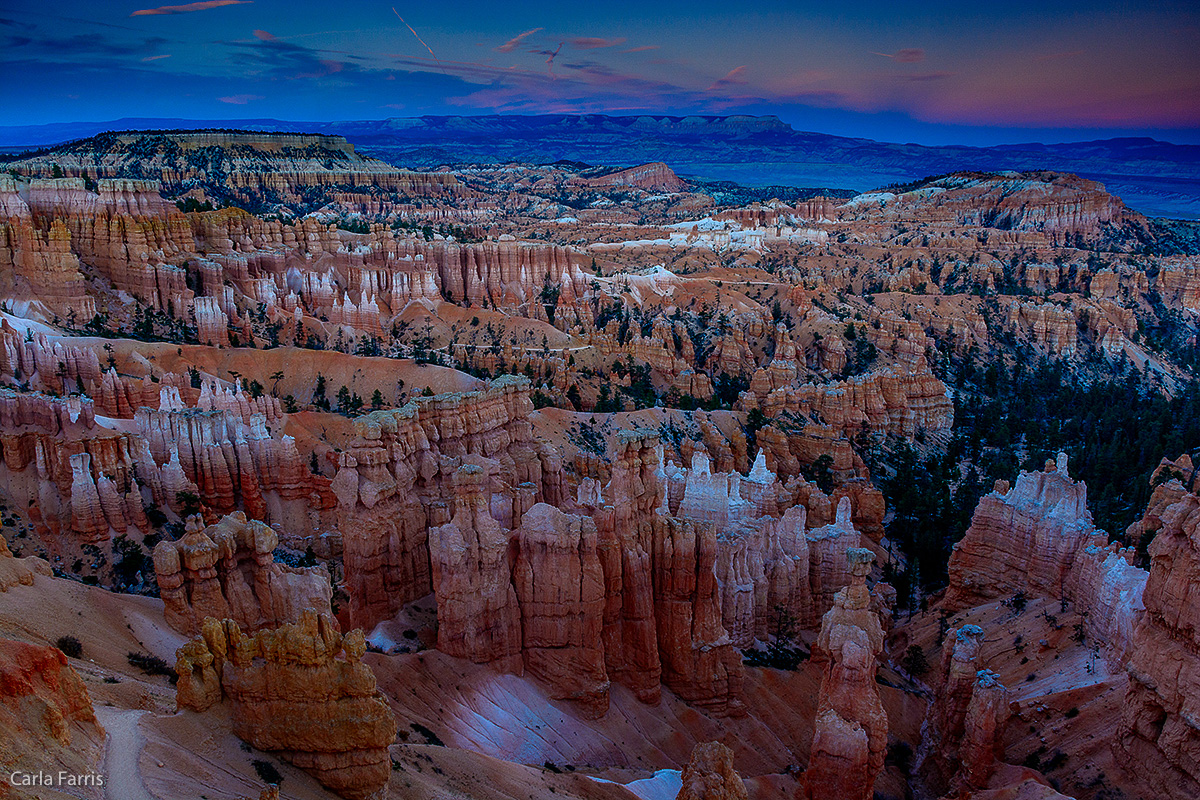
641	49
1056	56
188	7
156	58
595	42
550	58
270	57
909	55
921	77
512	43
83	46
733	78
240	99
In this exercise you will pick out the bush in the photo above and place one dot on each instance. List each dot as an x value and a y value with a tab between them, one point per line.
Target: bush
70	646
267	771
151	665
914	661
1018	602
781	652
430	736
899	755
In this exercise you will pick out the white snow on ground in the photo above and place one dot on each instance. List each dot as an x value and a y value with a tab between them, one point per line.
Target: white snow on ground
665	785
21	324
706	224
631	243
869	198
388	636
925	192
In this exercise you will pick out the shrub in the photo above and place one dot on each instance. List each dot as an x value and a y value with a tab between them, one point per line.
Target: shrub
781	652
70	646
899	755
914	661
151	665
430	736
1018	602
267	771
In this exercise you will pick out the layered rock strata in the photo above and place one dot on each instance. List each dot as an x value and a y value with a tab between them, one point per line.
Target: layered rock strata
850	739
1158	737
709	775
300	691
1037	539
961	738
228	571
395	482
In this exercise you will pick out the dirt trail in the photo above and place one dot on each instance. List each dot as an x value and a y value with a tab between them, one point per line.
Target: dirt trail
122	780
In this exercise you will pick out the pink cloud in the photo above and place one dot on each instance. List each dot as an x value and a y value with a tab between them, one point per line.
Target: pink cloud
595	42
205	5
924	76
240	99
264	35
641	49
512	43
733	78
1056	56
156	58
909	55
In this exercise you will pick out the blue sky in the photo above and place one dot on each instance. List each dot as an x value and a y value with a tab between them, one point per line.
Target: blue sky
933	73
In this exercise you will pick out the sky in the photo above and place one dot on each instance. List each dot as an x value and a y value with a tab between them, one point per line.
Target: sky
934	72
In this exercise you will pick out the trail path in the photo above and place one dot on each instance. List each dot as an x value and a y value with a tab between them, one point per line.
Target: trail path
122	780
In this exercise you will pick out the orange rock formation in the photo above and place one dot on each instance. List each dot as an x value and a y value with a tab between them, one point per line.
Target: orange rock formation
291	694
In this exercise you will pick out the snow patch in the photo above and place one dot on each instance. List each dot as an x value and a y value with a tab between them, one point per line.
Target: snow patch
665	785
870	198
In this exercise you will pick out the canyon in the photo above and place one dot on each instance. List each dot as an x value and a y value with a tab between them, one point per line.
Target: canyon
510	481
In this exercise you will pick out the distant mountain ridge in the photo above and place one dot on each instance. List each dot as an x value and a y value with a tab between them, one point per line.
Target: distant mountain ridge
1159	178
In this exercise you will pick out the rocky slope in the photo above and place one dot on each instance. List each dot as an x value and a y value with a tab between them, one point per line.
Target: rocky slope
53	742
237	165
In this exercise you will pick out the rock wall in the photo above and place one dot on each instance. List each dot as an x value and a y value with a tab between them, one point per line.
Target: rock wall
228	571
396	481
1158	737
300	691
559	585
850	739
1038	539
961	737
90	482
1022	539
896	400
653	578
478	614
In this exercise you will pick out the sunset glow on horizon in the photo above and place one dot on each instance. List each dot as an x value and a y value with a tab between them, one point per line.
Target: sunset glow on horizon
940	73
